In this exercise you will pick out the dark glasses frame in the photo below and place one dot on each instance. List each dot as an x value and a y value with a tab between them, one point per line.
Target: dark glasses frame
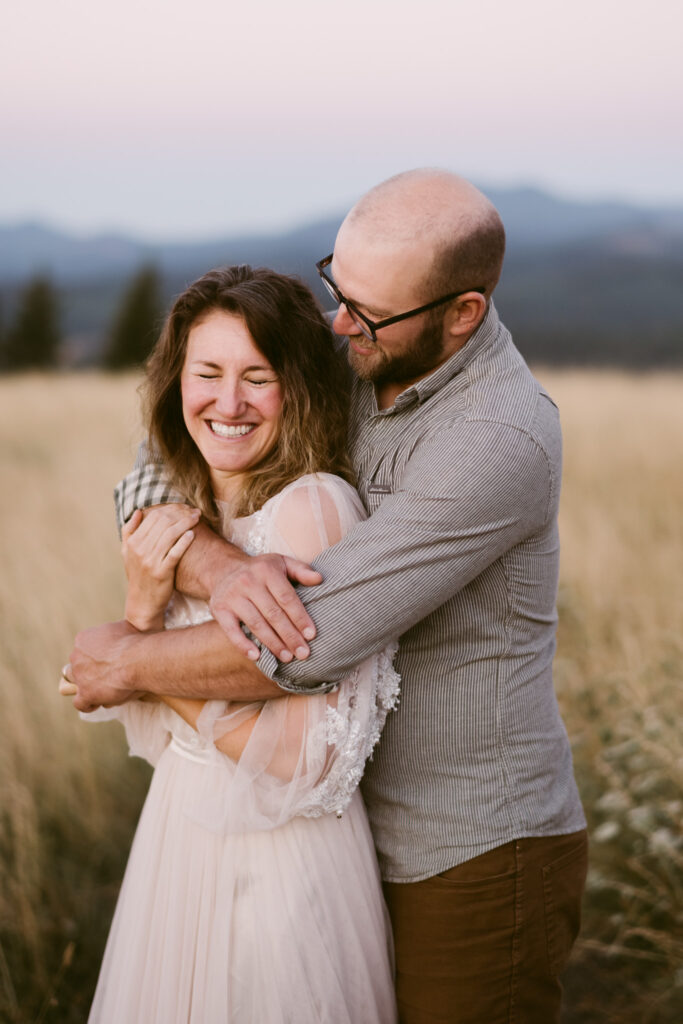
370	327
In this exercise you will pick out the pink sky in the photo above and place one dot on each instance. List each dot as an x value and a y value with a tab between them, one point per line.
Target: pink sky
169	118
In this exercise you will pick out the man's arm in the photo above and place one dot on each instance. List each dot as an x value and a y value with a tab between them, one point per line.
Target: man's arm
468	495
114	662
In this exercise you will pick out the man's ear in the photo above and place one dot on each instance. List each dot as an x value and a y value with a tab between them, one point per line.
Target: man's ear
465	315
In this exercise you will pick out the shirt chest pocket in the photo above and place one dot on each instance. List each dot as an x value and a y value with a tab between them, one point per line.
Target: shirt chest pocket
377	489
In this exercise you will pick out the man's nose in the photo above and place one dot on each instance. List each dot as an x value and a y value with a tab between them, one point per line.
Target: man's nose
344	323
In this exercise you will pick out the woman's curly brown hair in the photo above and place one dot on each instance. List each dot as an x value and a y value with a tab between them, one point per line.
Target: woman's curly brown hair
287	327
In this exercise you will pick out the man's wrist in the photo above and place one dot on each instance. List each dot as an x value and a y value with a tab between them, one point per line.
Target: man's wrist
229	558
208	560
130	676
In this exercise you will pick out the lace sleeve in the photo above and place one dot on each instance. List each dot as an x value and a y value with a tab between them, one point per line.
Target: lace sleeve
305	754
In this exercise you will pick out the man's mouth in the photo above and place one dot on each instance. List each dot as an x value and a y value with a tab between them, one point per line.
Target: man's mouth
360	347
227	430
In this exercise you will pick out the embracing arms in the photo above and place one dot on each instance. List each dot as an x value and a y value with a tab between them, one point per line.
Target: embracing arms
467	495
151	550
115	661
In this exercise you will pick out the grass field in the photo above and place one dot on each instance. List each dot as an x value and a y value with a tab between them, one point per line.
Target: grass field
70	795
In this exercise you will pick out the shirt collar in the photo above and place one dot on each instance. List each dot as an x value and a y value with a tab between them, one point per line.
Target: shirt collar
423	389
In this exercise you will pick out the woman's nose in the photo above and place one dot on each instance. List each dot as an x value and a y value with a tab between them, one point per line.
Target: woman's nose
230	400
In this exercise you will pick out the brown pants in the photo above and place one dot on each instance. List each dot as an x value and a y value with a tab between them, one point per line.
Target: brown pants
485	942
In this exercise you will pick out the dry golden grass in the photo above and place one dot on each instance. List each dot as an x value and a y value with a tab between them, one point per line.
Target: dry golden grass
68	806
71	798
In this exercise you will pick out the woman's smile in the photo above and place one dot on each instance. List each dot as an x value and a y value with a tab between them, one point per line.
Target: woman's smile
230	429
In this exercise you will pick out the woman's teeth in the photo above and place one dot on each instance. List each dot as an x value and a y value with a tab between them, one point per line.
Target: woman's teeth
223	430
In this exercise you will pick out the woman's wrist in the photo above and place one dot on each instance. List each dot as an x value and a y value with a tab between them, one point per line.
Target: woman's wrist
143	620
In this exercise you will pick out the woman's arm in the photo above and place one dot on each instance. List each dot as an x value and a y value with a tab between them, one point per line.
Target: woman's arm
307	522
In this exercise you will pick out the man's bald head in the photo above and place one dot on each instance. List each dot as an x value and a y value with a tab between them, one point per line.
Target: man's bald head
454	231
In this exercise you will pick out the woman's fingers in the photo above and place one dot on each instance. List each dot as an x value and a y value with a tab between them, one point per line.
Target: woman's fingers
131	526
178	549
172	535
152	543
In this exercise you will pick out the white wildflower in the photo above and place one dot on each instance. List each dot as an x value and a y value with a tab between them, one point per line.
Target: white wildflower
646	783
641	819
608	830
663	840
619	750
613	800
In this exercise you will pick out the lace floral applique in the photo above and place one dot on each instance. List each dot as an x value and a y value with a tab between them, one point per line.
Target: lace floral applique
254	543
353	740
185	611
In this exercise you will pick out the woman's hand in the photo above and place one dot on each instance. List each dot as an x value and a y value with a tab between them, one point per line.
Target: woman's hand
153	543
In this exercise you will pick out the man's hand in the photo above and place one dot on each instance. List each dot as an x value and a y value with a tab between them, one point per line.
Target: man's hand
258	593
98	666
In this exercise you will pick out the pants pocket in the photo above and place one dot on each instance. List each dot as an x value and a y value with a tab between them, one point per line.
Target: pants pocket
563	883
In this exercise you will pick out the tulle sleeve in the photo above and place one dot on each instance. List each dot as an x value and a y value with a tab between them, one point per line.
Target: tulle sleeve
305	754
149	724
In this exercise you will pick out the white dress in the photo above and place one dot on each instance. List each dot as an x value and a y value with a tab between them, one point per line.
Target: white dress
252	893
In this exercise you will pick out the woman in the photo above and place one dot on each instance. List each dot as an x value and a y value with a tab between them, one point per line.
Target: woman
252	892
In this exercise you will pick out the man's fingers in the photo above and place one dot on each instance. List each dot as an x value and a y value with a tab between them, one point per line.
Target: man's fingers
84	707
265	617
289	602
230	625
301	572
250	611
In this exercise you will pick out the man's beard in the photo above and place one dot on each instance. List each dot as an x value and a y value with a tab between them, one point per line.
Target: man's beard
422	355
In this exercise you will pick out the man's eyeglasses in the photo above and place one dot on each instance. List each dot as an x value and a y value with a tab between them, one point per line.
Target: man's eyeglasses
370	327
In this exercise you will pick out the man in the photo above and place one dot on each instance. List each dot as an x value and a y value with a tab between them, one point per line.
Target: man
471	797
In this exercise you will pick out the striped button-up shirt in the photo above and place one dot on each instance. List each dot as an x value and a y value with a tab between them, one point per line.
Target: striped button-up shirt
459	557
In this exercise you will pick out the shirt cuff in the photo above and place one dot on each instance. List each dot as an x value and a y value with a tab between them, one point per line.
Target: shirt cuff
278	672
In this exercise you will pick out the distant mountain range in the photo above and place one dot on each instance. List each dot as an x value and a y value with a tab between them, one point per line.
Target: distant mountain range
598	283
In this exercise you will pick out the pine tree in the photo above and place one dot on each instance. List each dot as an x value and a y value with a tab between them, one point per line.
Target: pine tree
33	340
136	326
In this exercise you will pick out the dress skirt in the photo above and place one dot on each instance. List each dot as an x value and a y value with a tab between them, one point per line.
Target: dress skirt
278	926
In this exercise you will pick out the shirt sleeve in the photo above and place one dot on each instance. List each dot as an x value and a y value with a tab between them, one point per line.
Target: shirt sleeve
147	484
467	495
